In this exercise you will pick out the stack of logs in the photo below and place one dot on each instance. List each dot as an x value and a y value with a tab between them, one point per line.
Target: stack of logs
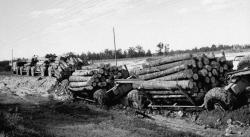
63	67
87	80
194	75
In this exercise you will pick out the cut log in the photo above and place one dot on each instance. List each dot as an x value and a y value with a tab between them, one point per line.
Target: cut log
88	88
162	73
208	67
80	78
163	92
168	85
205	61
83	73
195	76
177	76
207	80
79	84
210	74
203	72
166	60
168	96
214	72
200	64
161	67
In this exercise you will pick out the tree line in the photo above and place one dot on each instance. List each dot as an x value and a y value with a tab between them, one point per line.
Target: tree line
161	49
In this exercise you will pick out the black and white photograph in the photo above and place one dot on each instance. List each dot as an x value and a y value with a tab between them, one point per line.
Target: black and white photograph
124	68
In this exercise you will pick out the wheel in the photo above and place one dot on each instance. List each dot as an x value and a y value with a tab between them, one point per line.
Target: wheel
21	70
218	98
42	71
32	70
135	99
17	69
50	71
244	63
100	96
28	71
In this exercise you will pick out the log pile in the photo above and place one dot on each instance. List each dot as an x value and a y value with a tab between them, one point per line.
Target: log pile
88	80
63	67
194	74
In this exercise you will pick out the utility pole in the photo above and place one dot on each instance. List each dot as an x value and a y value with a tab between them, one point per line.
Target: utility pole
11	58
115	46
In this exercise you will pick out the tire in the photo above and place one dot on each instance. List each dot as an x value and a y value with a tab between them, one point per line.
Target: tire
244	63
100	97
50	71
21	70
135	99
42	69
32	70
28	71
218	97
17	70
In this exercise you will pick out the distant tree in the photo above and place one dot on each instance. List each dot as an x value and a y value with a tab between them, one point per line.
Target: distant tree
71	54
132	52
149	53
166	49
140	51
51	56
160	46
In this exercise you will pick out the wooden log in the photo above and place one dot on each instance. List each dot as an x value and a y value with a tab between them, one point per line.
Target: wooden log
207	80
88	88
163	92
168	85
161	67
79	84
221	69
83	73
213	80
215	65
203	72
200	64
205	61
194	63
225	67
214	72
168	96
177	76
80	78
162	73
195	76
210	74
209	68
170	59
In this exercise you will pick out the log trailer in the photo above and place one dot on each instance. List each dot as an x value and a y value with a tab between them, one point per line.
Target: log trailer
174	94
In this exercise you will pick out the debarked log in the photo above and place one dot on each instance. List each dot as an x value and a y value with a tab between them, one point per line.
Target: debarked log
80	78
79	84
162	73
166	60
168	85
88	88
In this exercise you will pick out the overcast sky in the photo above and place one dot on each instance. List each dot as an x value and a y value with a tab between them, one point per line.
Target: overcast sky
59	26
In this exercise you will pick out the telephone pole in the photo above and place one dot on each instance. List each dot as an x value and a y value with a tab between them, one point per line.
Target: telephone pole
114	45
11	58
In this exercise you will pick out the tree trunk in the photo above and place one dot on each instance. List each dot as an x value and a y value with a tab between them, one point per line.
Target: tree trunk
176	76
166	60
80	78
168	85
162	73
162	67
79	84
